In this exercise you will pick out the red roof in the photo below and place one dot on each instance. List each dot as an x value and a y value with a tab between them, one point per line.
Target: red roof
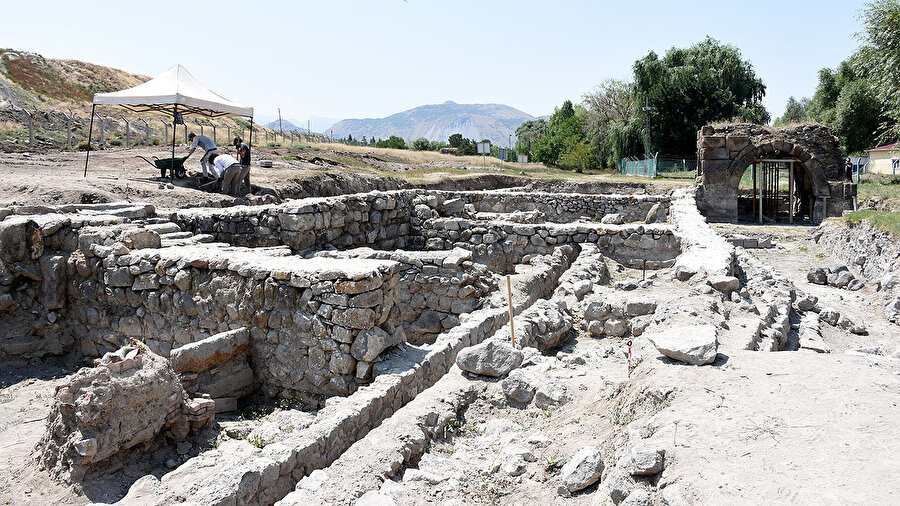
886	147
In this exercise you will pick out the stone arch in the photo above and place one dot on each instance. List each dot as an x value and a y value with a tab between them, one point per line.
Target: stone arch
725	152
812	167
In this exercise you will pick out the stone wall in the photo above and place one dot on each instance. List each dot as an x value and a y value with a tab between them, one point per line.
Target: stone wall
563	207
433	287
35	243
304	315
875	253
378	219
725	151
500	245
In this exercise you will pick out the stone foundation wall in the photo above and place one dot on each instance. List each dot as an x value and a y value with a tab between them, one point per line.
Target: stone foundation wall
433	288
304	315
876	254
377	219
564	208
500	245
35	243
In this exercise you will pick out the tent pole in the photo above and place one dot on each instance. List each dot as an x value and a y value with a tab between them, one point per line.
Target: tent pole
250	142
90	132
174	128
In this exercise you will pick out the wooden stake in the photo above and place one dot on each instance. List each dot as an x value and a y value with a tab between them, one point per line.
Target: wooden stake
512	330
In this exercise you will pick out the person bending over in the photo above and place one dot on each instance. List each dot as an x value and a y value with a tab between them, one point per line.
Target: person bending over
209	148
230	169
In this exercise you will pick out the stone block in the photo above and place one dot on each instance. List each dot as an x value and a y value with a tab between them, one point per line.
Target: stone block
712	141
715	154
736	142
209	352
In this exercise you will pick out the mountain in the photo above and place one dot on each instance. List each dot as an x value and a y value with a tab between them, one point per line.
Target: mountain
286	125
439	121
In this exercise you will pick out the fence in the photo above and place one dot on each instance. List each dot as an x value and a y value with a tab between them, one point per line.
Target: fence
34	128
659	166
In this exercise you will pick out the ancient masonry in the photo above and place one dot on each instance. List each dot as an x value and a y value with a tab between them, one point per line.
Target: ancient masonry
356	303
725	152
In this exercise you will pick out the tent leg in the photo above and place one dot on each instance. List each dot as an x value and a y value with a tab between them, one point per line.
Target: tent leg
174	128
90	133
250	141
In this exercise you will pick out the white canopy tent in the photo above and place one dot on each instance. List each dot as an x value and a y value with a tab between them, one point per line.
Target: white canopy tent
175	92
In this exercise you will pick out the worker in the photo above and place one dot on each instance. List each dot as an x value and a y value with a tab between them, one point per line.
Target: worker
209	148
230	169
243	152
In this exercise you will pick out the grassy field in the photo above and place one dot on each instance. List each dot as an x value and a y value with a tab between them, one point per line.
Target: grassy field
886	187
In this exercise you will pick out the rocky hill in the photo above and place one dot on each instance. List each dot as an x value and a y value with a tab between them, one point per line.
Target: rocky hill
439	121
30	79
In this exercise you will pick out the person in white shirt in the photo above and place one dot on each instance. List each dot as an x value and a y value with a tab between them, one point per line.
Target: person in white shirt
209	148
230	169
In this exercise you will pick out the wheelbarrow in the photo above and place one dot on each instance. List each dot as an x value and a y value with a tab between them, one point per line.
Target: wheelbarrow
175	166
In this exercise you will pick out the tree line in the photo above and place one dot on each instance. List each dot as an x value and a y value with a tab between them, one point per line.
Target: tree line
677	93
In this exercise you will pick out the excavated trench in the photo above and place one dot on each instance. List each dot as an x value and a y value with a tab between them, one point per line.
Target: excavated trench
345	308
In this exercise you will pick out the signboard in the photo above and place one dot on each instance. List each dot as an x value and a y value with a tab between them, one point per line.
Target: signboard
179	119
523	158
484	148
502	154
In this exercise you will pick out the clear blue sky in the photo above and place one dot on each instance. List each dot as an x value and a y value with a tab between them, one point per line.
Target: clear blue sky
372	58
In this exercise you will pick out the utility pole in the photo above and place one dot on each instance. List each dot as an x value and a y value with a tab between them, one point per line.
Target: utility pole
647	110
280	125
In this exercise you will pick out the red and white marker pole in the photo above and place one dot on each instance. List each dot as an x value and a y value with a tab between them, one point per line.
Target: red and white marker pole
629	359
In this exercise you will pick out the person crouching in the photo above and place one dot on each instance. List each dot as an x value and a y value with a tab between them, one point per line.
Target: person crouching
230	169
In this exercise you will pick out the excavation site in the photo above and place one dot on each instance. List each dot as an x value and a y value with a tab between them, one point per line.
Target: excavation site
471	341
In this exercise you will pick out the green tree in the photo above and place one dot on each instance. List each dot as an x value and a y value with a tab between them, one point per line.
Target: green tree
564	128
436	145
421	144
881	54
608	107
455	140
689	88
845	101
578	154
528	133
795	111
392	142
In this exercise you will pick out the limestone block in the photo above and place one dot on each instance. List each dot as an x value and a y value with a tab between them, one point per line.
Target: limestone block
713	141
209	352
20	240
141	238
369	344
53	285
693	344
583	469
647	461
489	359
354	318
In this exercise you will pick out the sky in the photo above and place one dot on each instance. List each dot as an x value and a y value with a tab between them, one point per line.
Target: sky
373	58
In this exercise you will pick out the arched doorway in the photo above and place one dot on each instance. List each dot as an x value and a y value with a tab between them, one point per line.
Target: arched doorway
774	190
747	172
